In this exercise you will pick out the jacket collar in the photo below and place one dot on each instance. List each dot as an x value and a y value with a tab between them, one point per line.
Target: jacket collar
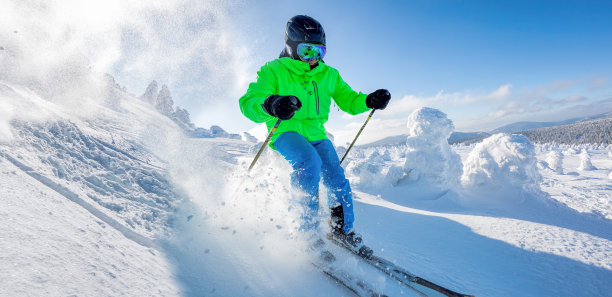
300	67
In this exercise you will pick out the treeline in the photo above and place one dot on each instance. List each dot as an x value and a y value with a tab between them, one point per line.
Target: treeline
597	131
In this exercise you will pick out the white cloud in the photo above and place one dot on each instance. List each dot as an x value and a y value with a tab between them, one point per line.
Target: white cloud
574	98
502	93
543	101
472	111
508	109
444	100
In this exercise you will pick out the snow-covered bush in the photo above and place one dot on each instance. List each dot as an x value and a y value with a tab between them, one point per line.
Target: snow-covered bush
429	157
585	161
376	157
367	171
504	165
374	166
571	151
555	161
397	152
394	174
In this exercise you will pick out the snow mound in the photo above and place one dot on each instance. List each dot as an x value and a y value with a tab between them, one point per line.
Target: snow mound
504	166
554	159
585	162
367	171
429	157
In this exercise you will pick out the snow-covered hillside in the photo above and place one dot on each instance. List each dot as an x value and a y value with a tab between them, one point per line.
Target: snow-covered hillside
585	132
119	201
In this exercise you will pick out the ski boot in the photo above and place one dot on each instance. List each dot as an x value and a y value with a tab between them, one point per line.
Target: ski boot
352	240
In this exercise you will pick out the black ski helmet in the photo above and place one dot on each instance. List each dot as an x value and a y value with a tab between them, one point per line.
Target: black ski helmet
302	28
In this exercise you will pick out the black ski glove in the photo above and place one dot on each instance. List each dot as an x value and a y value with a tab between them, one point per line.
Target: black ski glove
282	107
378	99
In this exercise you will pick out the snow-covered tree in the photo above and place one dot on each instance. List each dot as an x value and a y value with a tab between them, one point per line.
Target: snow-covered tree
428	154
504	164
585	161
164	102
598	131
150	94
555	161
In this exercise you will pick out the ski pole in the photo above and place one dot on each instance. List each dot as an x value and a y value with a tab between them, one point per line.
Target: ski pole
358	133
263	146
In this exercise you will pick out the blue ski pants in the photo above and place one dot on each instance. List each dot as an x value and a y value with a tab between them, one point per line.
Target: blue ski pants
312	160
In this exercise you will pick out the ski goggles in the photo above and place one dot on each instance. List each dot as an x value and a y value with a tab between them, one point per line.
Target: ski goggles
309	51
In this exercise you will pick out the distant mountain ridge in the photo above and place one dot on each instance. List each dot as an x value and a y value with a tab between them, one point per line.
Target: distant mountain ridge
589	129
597	131
524	126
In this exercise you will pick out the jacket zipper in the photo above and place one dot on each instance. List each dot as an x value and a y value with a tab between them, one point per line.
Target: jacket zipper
316	91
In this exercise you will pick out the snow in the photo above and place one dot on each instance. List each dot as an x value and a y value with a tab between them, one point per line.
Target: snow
129	203
6	113
53	247
533	227
428	155
585	161
505	167
554	160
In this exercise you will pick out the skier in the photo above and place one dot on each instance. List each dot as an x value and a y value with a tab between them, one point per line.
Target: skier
297	88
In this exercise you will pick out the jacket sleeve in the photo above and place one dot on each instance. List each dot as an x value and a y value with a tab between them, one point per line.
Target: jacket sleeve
348	100
258	91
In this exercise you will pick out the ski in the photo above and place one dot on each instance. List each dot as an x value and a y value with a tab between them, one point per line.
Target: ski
356	286
422	286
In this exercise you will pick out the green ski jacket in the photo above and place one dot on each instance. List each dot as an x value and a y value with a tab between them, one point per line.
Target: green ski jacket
315	88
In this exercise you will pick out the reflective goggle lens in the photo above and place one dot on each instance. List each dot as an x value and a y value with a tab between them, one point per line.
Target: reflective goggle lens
309	51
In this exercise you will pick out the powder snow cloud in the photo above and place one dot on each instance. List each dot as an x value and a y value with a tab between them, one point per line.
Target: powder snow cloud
172	41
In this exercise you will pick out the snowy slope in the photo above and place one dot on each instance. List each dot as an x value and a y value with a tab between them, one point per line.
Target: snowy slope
111	198
91	202
513	227
53	247
80	212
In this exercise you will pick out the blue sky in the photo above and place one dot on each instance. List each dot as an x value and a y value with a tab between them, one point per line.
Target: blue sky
483	63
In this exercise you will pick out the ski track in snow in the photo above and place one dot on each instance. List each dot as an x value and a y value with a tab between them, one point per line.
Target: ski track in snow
531	236
53	247
76	199
489	255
